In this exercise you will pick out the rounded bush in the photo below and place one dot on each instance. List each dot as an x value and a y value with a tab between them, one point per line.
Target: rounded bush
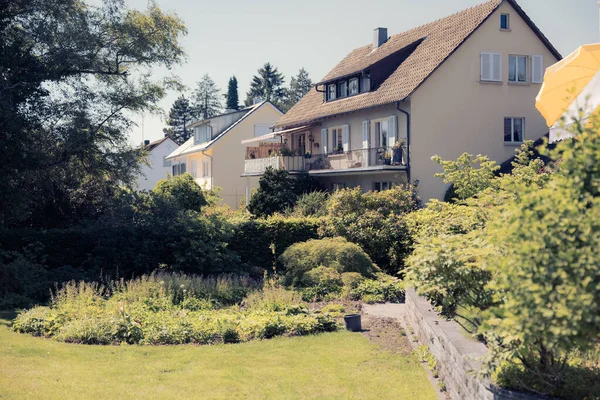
322	276
335	253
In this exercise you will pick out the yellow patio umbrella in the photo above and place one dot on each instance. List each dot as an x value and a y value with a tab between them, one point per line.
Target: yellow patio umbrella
570	85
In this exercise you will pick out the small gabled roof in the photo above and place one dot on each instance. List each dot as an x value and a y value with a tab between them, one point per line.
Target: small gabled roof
151	146
189	147
439	40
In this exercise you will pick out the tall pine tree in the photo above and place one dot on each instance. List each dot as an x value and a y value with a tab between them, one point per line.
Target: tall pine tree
267	85
232	102
180	115
299	86
206	98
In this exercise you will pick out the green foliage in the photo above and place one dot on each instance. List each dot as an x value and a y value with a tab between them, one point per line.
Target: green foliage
546	275
322	283
381	290
183	190
73	76
279	191
206	98
232	101
450	270
439	218
181	115
299	86
313	204
351	280
335	253
376	221
267	85
152	311
466	179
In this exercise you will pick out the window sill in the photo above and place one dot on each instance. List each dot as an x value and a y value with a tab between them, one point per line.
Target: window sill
519	83
491	82
513	144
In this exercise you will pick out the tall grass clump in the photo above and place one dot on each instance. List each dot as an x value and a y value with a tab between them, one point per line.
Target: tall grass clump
164	308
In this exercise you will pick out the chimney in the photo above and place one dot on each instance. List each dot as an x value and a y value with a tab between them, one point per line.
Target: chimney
146	142
379	37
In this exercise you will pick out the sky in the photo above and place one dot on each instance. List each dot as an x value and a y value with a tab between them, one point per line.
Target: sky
236	37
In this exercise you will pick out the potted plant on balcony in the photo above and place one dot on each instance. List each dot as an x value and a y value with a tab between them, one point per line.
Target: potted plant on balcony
307	155
285	152
397	152
387	158
339	149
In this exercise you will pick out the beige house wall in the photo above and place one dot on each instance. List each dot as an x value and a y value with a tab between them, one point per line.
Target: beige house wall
452	112
227	155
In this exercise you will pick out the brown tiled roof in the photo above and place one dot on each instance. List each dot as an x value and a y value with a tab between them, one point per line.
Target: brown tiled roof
441	39
151	146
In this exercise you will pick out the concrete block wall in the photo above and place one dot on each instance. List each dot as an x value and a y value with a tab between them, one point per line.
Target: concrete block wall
458	355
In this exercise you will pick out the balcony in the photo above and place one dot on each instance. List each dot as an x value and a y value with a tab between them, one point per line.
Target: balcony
361	159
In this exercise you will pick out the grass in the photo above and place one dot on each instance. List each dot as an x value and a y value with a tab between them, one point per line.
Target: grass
326	366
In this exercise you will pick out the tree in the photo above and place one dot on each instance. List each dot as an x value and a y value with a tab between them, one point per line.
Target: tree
279	191
232	99
467	179
299	86
267	85
183	190
180	115
206	99
72	76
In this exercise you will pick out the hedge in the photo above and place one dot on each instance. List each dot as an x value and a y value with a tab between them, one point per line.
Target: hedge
260	242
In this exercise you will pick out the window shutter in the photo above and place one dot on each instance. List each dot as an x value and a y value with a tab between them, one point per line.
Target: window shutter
208	133
324	140
365	134
183	167
392	131
508	129
486	66
537	69
346	137
497	67
194	169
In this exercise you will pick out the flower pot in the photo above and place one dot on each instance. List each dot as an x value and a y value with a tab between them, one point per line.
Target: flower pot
353	322
388	161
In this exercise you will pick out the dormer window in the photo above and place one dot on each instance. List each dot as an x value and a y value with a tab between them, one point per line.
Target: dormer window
353	86
342	89
365	84
331	90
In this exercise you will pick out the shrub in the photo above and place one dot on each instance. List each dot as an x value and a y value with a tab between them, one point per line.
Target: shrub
322	276
439	218
260	242
382	290
183	190
272	298
466	179
375	221
351	280
335	253
279	191
450	271
313	204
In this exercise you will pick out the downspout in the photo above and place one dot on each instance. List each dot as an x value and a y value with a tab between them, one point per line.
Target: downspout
407	140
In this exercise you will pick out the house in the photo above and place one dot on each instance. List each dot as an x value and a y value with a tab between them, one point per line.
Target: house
213	155
158	167
464	83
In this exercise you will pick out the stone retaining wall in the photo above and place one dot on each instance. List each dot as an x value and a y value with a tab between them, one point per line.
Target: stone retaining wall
456	353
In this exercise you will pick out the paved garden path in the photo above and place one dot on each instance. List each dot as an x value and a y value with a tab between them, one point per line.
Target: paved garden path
388	310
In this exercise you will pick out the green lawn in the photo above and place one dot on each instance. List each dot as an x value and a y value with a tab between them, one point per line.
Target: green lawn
327	366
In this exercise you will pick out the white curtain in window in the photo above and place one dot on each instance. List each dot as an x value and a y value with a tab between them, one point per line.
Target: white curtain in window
346	137
324	140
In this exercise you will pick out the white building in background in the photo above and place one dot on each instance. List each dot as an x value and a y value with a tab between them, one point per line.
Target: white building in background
158	168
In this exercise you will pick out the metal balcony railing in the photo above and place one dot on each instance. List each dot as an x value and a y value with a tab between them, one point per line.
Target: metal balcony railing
353	159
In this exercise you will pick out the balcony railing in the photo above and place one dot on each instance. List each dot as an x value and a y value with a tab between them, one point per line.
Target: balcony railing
353	159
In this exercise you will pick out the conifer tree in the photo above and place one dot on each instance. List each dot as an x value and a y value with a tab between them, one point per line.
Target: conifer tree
180	115
206	98
233	101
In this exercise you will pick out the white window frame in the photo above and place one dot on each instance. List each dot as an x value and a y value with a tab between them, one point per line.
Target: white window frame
512	130
507	22
334	133
194	168
492	57
527	62
205	168
331	91
350	93
379	135
537	76
365	84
